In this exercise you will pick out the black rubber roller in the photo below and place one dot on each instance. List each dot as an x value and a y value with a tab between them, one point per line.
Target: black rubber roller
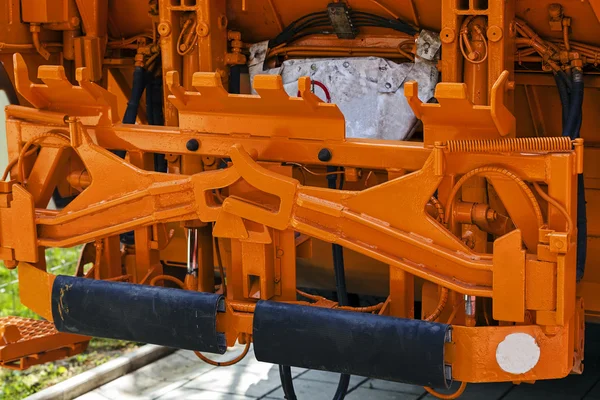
168	317
374	346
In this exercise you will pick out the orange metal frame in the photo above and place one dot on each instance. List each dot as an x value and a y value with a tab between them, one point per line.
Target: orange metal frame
489	178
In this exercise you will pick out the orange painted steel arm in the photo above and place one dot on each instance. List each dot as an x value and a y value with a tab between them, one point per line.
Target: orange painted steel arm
134	198
122	197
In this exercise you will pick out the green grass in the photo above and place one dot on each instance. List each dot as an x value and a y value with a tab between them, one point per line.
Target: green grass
15	385
58	261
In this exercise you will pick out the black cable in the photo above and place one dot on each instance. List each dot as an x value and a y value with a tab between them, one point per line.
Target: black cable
565	99
576	105
399	24
293	31
578	84
285	372
311	23
581	228
314	14
140	81
572	129
285	375
293	28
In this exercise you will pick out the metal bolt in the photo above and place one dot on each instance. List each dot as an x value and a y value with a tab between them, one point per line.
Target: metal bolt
324	155
388	85
313	67
164	28
192	145
346	64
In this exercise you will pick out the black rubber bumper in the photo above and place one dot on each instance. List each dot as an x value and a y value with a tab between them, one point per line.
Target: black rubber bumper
394	349
116	310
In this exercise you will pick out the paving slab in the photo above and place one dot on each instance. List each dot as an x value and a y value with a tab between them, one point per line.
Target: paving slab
175	368
306	389
363	393
393	387
331	377
255	380
183	376
192	394
478	391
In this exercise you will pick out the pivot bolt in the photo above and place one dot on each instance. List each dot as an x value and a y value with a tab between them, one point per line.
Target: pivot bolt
324	155
192	145
164	29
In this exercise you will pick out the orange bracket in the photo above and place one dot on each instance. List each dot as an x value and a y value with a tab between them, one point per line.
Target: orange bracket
93	104
455	117
271	114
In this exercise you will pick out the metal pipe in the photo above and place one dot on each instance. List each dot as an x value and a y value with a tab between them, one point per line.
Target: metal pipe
35	36
193	252
470	310
33	114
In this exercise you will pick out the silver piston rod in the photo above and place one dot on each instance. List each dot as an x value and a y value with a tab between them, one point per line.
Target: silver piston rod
193	251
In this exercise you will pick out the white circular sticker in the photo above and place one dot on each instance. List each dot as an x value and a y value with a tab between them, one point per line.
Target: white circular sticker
518	353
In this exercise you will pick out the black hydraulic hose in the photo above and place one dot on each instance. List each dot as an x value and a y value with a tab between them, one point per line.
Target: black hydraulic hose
572	129
285	375
154	112
314	14
137	90
294	31
563	91
398	24
285	372
312	23
581	228
581	203
576	106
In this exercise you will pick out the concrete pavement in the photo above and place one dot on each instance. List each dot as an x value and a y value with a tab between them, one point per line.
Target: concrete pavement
182	376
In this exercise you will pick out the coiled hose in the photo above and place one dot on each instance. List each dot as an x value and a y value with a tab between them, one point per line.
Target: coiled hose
285	372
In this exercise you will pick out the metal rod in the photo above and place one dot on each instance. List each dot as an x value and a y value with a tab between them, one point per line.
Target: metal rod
470	310
193	251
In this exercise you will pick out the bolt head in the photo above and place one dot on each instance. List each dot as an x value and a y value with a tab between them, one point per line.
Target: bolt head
325	155
192	145
164	29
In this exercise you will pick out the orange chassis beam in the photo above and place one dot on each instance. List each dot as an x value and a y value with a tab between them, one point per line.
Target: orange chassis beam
532	287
